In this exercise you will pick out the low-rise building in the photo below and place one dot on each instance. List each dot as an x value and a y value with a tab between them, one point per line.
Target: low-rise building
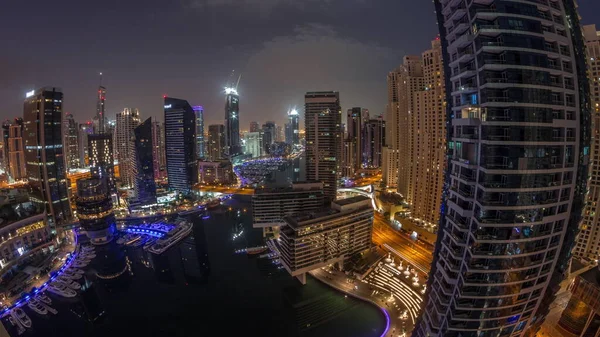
316	239
215	172
22	229
270	205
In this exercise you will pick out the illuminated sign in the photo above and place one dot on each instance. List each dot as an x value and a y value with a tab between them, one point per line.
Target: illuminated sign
168	106
29	93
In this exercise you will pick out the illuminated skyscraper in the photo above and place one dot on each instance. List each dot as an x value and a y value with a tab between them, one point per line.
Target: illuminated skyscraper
16	152
356	120
323	119
44	158
373	142
145	187
199	111
292	128
268	130
101	158
254	126
127	120
216	142
100	119
232	123
159	155
95	209
71	142
519	148
180	130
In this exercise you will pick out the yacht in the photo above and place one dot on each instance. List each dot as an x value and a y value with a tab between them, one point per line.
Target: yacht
43	298
73	270
61	290
34	305
88	248
80	264
174	236
12	320
68	283
72	276
87	256
22	317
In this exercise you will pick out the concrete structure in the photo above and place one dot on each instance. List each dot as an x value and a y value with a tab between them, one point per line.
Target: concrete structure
233	145
16	152
581	317
21	233
216	142
373	142
356	120
127	120
84	130
180	144
199	111
44	157
71	142
254	143
158	153
317	239
518	96
270	205
216	172
323	118
588	239
95	210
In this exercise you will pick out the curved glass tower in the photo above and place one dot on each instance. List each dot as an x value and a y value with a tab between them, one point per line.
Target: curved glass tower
518	146
95	209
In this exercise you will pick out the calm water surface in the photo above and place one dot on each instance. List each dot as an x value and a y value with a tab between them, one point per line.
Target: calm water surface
201	287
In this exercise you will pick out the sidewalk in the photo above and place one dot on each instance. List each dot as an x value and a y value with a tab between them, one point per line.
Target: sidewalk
338	280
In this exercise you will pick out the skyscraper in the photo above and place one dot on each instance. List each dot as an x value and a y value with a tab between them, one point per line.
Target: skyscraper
199	111
216	142
232	123
268	130
159	154
373	142
254	143
518	103
44	158
423	145
71	142
356	119
95	209
100	119
254	126
85	129
102	162
279	136
127	120
323	119
145	187
293	135
180	129
588	239
5	159
16	152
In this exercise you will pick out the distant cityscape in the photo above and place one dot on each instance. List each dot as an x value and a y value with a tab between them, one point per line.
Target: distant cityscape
469	208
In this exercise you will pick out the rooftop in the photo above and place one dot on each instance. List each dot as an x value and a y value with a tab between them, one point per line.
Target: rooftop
592	276
348	201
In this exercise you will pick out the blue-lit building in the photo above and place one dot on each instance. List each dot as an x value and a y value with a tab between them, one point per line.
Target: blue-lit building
199	111
233	146
519	121
180	144
44	156
95	209
144	185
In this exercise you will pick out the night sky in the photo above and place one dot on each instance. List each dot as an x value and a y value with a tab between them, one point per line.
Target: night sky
188	48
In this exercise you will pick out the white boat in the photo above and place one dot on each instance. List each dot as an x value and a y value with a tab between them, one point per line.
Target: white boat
72	276
12	320
37	307
22	317
68	283
43	298
80	264
73	270
174	236
61	290
88	256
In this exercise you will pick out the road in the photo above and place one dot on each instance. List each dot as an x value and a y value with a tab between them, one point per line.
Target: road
411	251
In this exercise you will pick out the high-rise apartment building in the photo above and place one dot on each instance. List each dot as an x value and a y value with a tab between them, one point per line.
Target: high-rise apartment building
100	119
279	135
44	157
268	130
102	162
373	142
144	186
233	145
4	158
127	121
216	142
588	239
348	167
316	239
254	126
323	120
254	143
356	119
71	142
423	146
158	152
16	151
518	99
199	111
84	130
180	145
292	128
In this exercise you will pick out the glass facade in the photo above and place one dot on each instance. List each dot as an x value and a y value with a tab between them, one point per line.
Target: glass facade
95	209
145	187
180	130
199	111
232	124
518	158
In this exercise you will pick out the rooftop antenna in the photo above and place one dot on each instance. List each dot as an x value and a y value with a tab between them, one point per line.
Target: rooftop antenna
238	82
100	79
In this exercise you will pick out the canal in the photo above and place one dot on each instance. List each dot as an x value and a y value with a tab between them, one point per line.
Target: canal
202	287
